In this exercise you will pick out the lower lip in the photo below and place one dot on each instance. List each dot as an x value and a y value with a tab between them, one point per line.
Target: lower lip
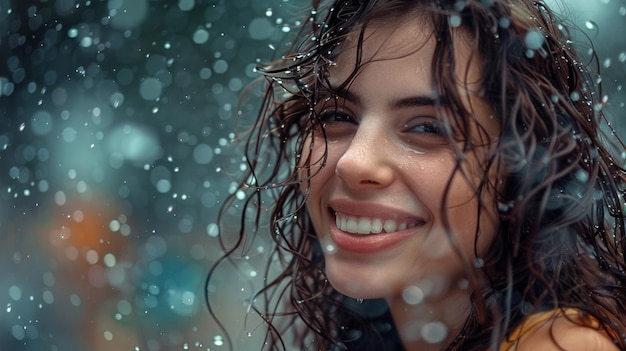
367	243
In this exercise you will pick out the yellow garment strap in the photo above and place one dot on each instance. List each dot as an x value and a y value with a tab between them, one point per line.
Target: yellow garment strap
534	321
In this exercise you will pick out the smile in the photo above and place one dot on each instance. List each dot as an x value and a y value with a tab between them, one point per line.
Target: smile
365	225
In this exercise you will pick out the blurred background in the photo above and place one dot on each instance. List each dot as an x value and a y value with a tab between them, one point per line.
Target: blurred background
116	122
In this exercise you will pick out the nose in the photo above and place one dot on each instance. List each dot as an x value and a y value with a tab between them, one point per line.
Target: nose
367	161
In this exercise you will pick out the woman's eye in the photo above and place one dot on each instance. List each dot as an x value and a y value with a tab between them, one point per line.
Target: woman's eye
336	124
426	126
336	116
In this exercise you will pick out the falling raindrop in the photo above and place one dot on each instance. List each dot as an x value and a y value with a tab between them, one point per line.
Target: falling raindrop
218	340
455	21
434	332
591	25
533	40
412	295
330	248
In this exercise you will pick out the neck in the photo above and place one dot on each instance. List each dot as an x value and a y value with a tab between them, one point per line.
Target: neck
430	323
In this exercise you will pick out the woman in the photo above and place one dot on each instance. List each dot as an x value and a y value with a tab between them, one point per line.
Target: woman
438	181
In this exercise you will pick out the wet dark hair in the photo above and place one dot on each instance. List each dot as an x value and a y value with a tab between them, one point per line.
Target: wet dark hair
559	191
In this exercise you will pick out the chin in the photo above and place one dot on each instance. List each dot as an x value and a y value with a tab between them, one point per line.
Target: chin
360	283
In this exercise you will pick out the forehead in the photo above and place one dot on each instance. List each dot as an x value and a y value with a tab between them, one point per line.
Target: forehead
397	57
384	41
409	36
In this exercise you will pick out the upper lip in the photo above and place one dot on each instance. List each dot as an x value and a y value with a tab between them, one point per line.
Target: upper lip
372	210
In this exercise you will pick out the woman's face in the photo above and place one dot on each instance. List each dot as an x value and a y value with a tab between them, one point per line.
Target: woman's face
377	204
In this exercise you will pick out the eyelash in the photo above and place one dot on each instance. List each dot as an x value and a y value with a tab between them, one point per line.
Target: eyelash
426	125
346	118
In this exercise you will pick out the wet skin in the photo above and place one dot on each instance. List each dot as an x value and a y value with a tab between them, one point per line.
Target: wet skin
377	204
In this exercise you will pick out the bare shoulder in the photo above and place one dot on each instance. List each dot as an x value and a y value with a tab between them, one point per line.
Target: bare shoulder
564	333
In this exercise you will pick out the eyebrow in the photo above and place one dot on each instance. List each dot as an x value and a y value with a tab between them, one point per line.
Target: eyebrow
413	101
407	102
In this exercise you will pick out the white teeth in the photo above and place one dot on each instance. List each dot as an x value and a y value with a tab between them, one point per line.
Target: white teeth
351	225
377	226
390	226
364	225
